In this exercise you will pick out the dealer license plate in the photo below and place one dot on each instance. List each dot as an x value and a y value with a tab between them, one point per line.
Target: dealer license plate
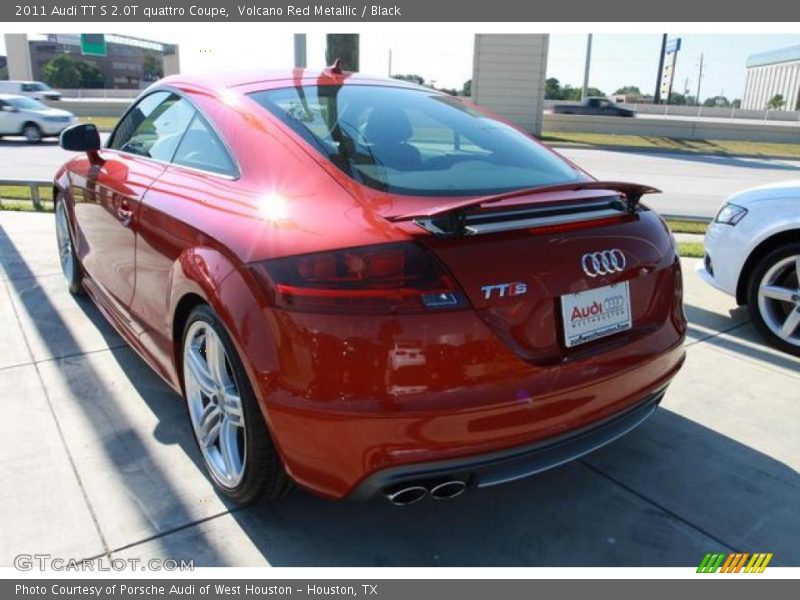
596	313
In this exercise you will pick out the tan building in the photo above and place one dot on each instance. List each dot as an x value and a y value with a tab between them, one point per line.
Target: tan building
770	73
508	75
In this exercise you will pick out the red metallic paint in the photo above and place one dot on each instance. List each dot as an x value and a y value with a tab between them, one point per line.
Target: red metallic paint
347	395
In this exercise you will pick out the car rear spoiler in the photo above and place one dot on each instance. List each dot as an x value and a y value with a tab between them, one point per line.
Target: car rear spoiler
632	193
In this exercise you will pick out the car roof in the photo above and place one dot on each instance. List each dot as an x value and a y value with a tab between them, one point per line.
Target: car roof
253	80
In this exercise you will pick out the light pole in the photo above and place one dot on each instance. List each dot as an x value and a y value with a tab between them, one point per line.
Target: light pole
699	79
300	50
657	94
585	90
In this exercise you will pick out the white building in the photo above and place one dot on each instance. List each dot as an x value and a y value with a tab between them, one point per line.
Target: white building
770	73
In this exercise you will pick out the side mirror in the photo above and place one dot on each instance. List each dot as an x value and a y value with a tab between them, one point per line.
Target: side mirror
80	138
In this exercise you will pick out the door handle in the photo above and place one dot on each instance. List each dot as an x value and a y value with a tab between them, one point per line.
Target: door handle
124	213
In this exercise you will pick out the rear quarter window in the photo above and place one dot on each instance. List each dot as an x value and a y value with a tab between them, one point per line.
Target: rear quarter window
200	148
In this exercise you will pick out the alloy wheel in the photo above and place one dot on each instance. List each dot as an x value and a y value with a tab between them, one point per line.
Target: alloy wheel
65	254
32	133
779	299
215	404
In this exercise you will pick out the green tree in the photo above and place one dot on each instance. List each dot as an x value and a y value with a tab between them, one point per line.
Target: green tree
677	98
593	91
66	71
91	76
151	67
776	102
719	101
466	89
412	77
343	46
552	89
3	73
570	93
629	90
62	72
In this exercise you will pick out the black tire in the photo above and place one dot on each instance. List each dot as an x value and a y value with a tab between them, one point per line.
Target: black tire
72	271
763	266
264	476
32	132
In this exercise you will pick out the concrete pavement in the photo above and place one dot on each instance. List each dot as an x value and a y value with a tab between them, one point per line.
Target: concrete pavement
693	184
98	458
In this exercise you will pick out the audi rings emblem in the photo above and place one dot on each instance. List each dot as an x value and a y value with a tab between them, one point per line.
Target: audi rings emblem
604	262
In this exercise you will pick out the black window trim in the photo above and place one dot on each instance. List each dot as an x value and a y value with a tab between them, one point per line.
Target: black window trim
166	88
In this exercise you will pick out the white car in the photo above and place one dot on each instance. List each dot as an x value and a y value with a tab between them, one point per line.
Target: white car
20	115
752	252
33	89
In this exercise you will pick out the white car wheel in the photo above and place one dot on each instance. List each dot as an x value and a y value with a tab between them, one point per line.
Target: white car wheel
774	298
32	133
66	249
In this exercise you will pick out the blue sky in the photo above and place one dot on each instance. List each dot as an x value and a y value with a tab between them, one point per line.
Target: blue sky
617	59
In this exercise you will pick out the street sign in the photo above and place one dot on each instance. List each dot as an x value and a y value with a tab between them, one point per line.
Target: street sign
93	44
668	71
673	45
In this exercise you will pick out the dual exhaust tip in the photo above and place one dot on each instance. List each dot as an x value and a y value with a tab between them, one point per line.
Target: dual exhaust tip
412	493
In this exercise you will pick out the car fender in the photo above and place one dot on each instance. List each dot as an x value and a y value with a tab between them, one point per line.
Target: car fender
760	233
233	294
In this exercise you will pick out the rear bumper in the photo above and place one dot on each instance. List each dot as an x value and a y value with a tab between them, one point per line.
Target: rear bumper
352	454
495	468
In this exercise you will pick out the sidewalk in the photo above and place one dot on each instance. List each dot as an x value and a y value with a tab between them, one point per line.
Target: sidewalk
97	458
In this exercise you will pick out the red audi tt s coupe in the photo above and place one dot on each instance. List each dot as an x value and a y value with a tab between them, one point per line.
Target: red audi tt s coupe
366	287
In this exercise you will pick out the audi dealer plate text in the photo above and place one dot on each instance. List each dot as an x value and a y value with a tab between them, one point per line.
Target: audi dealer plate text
596	313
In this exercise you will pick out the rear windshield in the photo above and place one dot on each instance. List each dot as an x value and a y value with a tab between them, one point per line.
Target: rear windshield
414	142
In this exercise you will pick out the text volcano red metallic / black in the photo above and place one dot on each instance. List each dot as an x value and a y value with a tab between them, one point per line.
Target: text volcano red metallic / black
368	287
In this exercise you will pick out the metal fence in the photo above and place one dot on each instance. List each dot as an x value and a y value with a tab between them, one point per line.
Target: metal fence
676	110
99	93
34	193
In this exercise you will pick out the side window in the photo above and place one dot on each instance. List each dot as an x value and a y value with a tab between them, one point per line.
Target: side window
433	138
200	148
132	119
154	127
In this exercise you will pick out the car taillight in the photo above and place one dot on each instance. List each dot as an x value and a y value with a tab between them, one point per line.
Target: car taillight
386	278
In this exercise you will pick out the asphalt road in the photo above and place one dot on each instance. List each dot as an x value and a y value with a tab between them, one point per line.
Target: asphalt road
693	184
707	119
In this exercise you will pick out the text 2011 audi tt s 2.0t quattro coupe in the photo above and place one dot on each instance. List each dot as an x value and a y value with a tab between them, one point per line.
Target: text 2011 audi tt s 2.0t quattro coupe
367	287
